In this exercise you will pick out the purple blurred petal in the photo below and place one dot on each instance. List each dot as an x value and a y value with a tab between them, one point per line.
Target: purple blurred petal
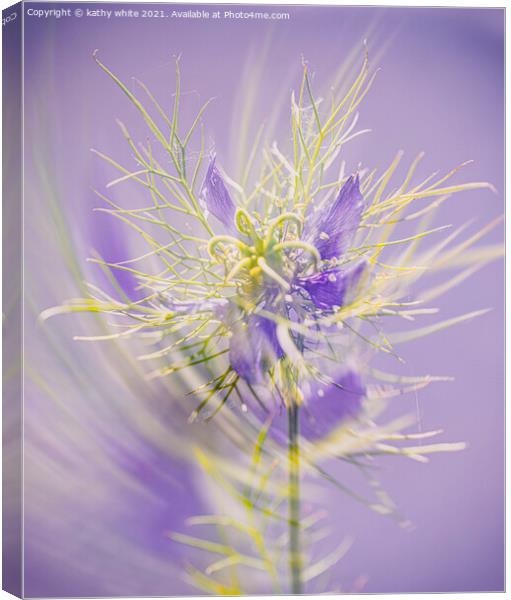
108	239
334	287
253	348
269	329
215	198
325	408
332	232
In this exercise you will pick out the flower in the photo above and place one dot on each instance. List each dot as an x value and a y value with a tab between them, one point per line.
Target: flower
283	269
275	293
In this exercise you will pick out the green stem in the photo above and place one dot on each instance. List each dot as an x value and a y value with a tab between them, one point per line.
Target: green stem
295	557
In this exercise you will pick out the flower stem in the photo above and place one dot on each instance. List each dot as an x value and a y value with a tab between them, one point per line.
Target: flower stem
295	557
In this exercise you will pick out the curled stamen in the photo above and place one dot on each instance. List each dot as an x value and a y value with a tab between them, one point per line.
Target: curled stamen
273	274
244	262
225	239
297	244
291	217
244	223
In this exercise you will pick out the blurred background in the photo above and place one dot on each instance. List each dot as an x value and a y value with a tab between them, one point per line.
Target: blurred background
107	473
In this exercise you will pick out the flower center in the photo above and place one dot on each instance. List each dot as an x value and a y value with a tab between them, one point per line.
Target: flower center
264	260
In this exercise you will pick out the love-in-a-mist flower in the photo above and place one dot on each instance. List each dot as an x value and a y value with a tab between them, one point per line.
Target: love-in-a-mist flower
269	292
288	267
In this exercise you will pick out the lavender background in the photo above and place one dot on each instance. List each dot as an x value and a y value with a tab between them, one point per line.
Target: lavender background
440	90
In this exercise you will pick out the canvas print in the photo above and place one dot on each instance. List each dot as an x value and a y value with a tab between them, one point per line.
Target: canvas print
253	299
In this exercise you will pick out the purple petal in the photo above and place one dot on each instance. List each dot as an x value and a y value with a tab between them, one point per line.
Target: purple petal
269	330
334	287
333	231
254	347
245	357
325	408
215	198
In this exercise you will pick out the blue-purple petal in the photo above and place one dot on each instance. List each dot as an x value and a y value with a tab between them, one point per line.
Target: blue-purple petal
215	197
333	287
332	232
325	408
253	348
269	330
245	356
